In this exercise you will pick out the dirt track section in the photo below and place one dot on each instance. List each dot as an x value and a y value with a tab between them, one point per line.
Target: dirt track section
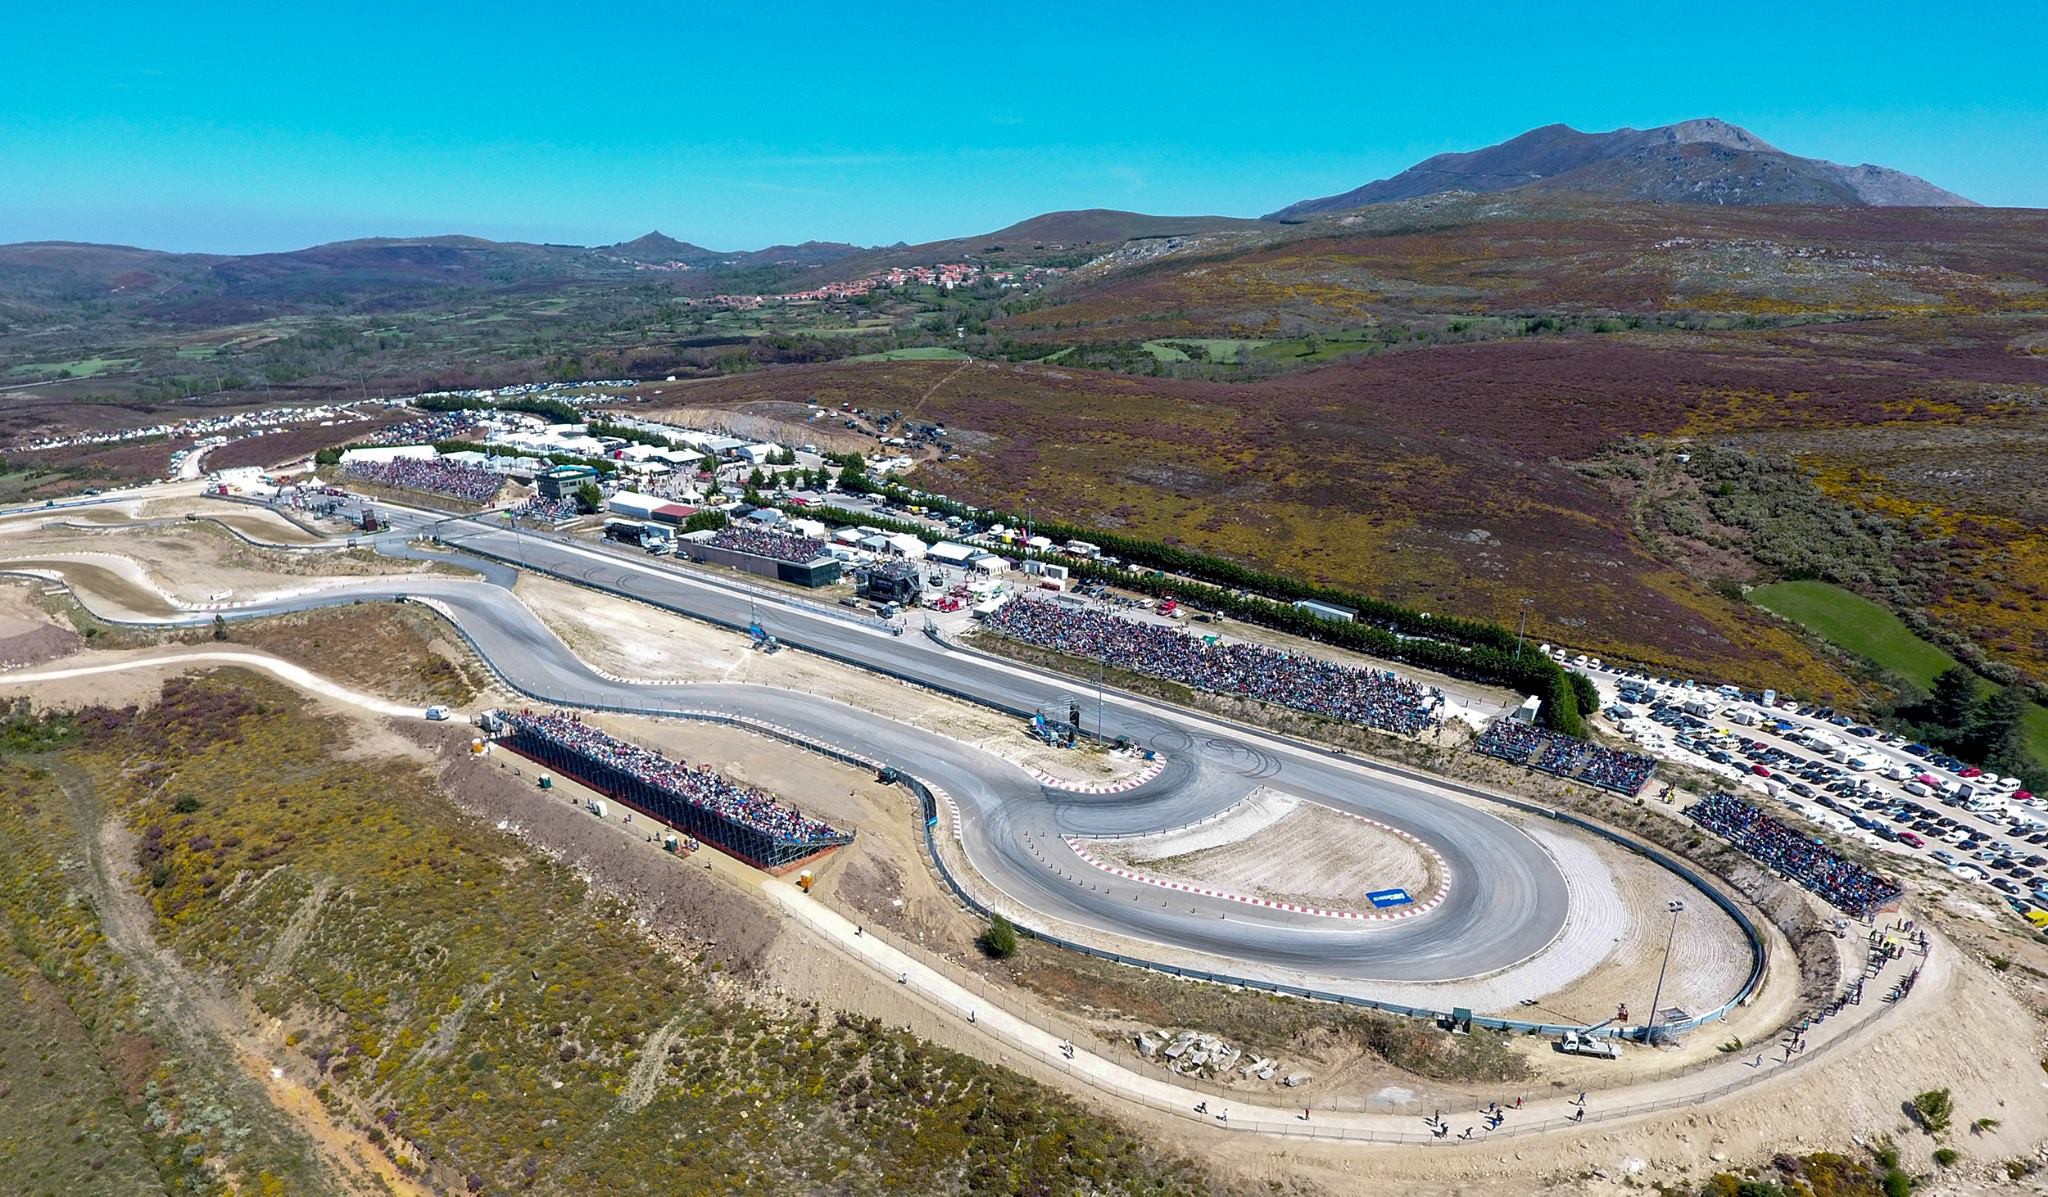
214	1027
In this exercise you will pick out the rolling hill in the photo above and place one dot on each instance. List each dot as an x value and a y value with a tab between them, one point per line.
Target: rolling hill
1705	161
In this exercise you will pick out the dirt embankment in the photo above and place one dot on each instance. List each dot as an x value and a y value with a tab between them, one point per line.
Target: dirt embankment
30	635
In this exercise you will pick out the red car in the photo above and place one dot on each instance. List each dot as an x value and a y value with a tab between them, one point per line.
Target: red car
1969	771
1907	837
1760	770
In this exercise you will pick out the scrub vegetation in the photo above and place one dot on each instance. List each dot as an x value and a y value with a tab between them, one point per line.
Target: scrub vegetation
466	1005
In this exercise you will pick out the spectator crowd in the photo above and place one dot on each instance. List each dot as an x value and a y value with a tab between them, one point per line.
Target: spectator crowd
429	427
547	511
781	546
1565	756
471	484
1368	697
1848	886
702	788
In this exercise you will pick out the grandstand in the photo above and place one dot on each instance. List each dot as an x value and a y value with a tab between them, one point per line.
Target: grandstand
1844	884
1559	755
738	820
1374	698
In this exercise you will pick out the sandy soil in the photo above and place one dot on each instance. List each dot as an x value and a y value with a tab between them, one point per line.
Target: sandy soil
30	635
1284	849
632	640
258	522
145	569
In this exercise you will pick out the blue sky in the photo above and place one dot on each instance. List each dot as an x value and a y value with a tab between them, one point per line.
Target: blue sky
233	128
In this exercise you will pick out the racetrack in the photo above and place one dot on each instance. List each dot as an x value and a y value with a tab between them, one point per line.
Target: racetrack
1506	902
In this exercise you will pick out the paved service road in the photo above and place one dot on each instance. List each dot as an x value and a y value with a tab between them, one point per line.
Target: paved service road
1506	899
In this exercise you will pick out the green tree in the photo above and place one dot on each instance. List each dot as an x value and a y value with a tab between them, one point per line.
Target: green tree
1000	940
706	521
220	627
755	479
1996	735
1955	698
1584	692
589	496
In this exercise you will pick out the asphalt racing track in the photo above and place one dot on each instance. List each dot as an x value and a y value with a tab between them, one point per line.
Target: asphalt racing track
1506	902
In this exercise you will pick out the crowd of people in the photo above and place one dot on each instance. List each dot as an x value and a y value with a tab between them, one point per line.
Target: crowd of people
1848	886
1566	756
547	511
764	542
430	475
429	427
1368	697
700	787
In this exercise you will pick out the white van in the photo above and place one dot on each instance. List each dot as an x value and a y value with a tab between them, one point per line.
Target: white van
1917	790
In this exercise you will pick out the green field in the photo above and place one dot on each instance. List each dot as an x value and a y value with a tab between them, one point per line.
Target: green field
82	368
928	353
1219	349
1854	623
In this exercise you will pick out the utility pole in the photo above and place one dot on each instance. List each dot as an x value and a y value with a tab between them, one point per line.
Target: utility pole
1650	1024
1524	625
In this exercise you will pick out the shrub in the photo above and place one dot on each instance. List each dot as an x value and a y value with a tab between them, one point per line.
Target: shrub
1946	1156
1897	1183
1934	1109
1000	940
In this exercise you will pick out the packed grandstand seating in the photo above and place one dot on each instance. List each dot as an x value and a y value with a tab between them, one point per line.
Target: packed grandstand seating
762	542
700	787
471	484
546	510
1566	756
1845	884
1369	697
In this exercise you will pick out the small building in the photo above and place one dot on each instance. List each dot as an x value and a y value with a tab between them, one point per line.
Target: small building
903	544
1329	611
766	517
561	482
890	582
804	527
758	454
847	536
1526	713
634	505
673	513
949	552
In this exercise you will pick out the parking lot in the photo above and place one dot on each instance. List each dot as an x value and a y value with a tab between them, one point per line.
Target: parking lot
1866	784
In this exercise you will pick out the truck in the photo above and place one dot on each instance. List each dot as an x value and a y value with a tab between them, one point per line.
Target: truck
625	531
1576	1043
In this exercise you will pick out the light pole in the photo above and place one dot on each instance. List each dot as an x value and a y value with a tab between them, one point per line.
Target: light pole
1650	1025
1523	627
